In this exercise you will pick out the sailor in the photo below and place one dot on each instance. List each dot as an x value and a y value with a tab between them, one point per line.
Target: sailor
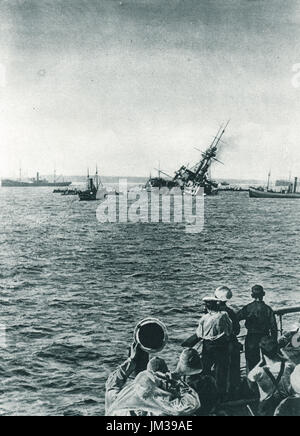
260	321
273	377
158	365
215	330
165	379
190	369
224	294
289	343
149	394
291	405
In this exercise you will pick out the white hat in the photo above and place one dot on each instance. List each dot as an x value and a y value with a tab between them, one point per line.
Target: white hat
207	299
223	293
295	380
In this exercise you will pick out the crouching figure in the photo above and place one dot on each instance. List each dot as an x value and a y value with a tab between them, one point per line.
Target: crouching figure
151	393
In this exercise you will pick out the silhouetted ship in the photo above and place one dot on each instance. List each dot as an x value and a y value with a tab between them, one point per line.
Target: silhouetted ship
33	183
191	180
95	189
91	193
66	191
289	193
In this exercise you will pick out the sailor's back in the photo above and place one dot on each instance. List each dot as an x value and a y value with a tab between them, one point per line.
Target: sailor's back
213	326
258	316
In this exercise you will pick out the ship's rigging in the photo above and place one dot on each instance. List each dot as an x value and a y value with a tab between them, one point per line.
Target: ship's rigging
192	179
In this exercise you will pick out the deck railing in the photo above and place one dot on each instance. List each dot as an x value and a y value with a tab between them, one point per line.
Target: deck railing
285	311
281	312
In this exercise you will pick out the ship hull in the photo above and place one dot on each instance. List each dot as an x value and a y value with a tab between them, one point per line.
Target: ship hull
87	196
16	184
256	193
159	183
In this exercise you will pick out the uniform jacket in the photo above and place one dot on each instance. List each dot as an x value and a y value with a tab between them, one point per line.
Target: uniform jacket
260	319
214	326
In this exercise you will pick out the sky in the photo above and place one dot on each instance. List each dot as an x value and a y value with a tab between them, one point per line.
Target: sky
127	84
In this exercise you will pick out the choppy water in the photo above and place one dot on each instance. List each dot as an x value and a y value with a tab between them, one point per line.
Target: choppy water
72	289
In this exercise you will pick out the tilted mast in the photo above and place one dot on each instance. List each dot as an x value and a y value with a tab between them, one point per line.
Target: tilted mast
193	178
198	175
210	153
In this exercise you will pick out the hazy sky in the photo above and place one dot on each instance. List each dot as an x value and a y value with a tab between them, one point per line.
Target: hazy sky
128	83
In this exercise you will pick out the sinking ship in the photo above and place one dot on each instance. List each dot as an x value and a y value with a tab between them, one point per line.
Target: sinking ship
191	180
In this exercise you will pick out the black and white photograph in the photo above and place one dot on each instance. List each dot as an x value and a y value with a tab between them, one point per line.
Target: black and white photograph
149	210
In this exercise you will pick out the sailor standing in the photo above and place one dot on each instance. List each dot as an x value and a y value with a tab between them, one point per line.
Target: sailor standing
260	322
215	330
224	294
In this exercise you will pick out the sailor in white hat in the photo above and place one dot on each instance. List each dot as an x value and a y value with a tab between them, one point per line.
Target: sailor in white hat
215	330
224	294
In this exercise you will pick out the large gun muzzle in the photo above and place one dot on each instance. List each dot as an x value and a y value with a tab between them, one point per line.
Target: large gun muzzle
151	334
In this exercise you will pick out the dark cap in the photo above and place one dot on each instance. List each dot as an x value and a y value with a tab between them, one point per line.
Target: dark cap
212	303
258	291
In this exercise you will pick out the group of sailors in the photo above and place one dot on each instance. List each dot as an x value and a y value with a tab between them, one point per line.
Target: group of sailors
207	378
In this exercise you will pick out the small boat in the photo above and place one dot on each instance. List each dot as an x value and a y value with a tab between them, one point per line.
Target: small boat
70	192
91	193
95	189
66	191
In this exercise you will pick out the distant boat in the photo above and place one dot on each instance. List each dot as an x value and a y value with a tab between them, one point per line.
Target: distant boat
91	193
290	193
67	191
95	189
33	183
257	193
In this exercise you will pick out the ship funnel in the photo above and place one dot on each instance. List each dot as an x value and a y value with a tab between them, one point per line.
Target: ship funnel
151	334
295	184
37	177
